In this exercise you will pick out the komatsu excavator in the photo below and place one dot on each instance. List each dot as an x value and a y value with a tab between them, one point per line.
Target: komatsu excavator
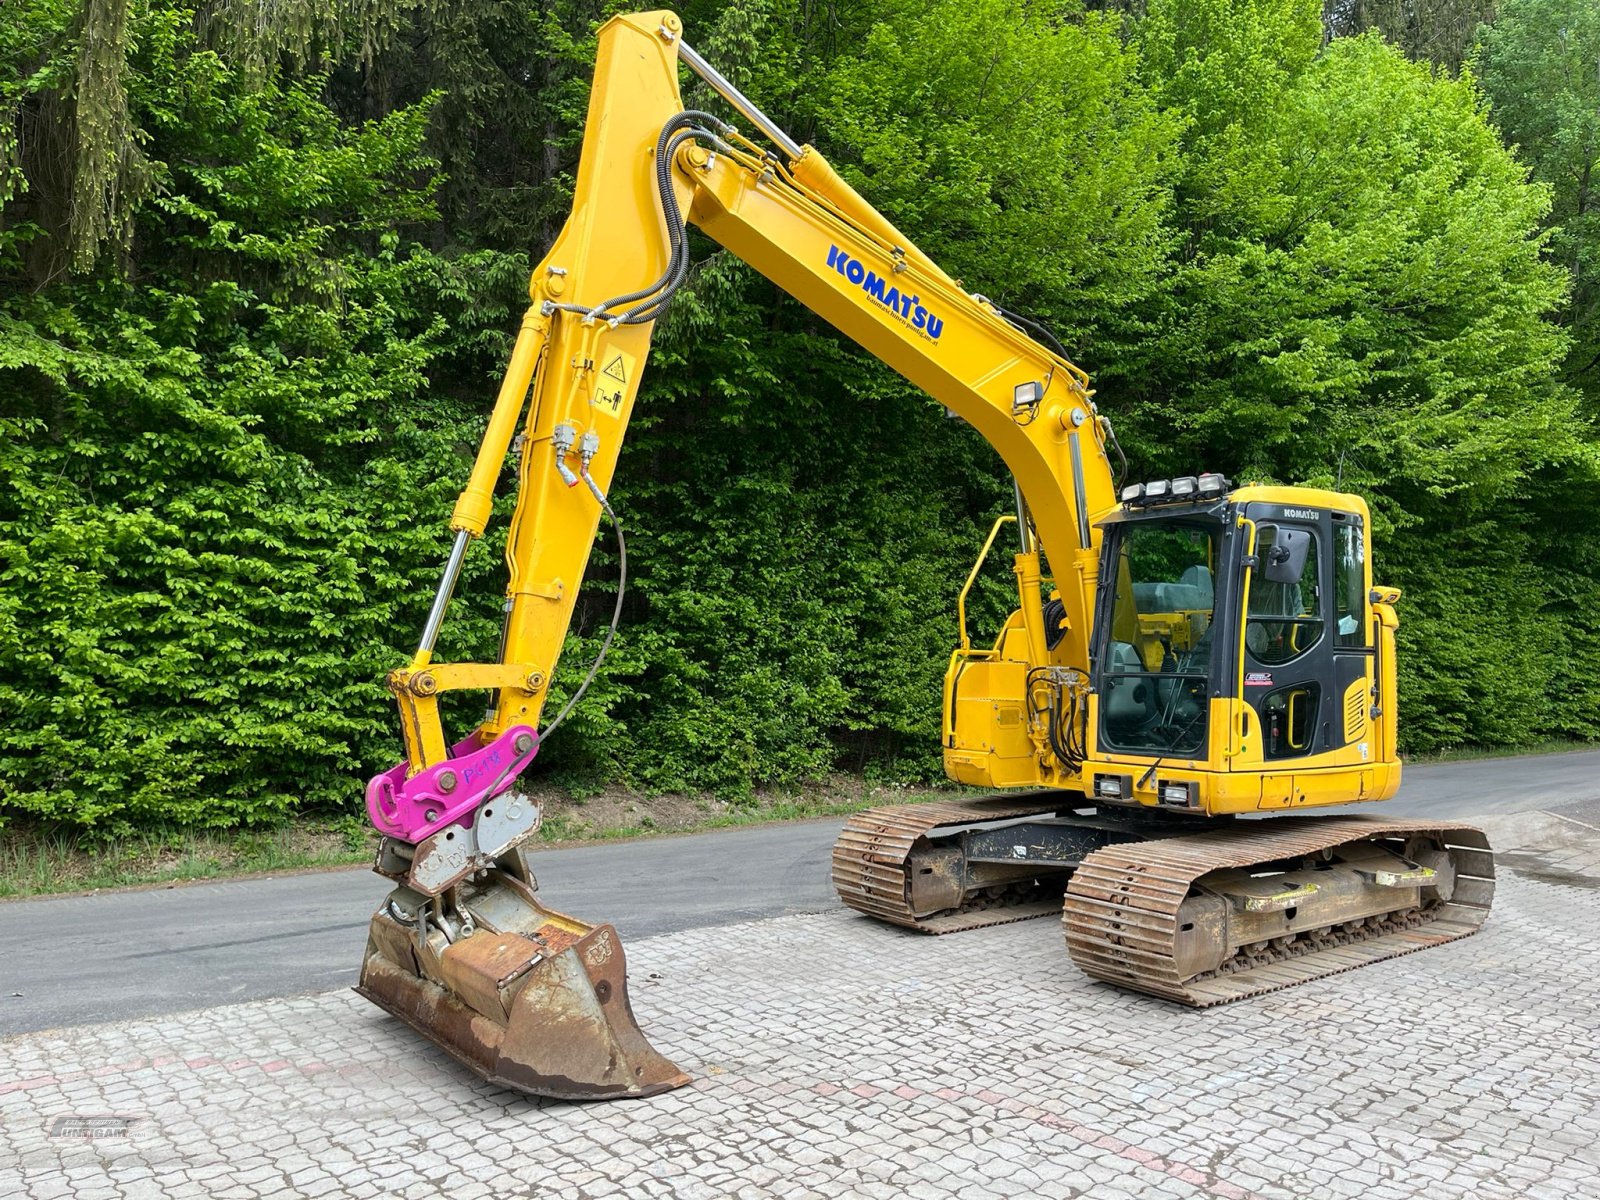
1184	654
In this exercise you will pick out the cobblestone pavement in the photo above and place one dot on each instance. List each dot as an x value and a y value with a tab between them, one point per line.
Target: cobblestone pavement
835	1057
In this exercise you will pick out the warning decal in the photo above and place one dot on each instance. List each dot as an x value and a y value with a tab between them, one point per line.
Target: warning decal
610	389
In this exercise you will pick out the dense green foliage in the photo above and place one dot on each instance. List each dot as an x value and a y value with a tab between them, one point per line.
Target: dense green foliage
254	291
1540	66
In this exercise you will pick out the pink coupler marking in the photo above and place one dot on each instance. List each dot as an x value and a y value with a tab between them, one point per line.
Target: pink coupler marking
412	809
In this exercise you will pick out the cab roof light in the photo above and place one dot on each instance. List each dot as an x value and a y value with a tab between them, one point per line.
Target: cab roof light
1186	489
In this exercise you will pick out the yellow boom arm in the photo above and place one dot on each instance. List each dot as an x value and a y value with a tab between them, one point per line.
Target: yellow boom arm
575	372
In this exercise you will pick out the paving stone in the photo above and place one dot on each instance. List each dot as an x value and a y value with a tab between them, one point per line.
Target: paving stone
836	1057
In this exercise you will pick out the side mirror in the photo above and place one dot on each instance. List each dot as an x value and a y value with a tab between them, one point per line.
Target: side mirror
1285	560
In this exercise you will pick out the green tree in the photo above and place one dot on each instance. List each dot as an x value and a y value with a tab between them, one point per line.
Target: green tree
1364	301
1539	64
216	461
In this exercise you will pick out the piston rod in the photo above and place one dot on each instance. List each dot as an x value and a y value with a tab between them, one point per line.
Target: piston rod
447	586
738	99
1024	521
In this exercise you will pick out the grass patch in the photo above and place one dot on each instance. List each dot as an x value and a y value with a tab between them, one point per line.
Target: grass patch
1474	753
37	861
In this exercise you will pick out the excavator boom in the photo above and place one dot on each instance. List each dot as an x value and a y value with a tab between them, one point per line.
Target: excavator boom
1176	653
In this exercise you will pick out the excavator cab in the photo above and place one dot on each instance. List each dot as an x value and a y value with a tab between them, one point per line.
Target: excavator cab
1240	659
1239	655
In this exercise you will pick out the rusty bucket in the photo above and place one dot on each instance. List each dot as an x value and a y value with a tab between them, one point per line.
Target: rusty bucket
527	997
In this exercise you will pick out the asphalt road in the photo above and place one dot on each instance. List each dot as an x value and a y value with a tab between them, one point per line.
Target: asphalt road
77	960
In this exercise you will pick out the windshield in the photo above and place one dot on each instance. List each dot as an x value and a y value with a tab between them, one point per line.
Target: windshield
1155	669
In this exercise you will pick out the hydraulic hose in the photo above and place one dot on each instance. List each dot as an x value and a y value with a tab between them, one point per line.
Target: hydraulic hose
616	614
650	301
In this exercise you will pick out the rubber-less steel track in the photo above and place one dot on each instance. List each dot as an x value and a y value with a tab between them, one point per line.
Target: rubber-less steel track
871	861
1121	911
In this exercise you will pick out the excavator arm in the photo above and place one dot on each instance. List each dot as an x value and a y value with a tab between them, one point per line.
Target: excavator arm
452	818
647	167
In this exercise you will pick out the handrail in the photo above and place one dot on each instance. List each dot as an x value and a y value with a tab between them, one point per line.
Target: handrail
972	577
1236	729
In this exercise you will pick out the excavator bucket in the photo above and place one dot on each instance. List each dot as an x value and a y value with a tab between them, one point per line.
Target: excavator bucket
522	1012
539	1004
463	952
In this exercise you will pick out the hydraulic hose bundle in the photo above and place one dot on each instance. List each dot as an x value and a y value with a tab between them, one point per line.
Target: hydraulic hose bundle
649	303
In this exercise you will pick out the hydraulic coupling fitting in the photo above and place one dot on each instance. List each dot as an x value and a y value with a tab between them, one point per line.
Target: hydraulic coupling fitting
561	440
588	448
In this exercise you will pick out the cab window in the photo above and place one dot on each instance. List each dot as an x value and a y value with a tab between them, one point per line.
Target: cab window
1155	681
1284	620
1350	588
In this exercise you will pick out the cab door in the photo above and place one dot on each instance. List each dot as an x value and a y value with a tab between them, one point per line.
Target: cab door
1290	672
1354	640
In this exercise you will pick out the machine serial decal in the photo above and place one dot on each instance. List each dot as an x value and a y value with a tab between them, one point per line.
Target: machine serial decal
903	305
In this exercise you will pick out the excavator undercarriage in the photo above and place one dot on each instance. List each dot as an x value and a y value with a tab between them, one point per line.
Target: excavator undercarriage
1201	916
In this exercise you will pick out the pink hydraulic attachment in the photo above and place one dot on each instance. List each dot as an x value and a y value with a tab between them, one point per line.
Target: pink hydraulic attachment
451	791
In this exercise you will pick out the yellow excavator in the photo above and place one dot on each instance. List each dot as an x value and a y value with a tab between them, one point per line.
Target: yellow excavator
1184	656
